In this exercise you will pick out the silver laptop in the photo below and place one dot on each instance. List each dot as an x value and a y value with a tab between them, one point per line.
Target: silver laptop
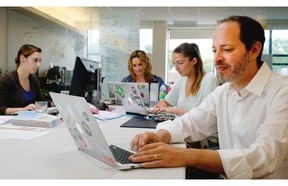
133	104
113	89
144	92
113	93
86	132
131	99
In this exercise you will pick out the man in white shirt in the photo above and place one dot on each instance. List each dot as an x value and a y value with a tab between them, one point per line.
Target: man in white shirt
250	112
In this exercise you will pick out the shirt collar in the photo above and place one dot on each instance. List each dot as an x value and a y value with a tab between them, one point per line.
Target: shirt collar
257	84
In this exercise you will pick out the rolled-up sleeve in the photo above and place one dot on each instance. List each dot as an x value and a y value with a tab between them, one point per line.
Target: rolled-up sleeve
197	124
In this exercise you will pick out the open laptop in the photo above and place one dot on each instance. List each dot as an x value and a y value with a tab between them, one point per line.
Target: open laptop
133	104
116	98
144	92
86	132
131	99
113	93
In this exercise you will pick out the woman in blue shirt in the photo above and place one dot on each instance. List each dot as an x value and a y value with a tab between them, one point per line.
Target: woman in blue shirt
19	89
140	69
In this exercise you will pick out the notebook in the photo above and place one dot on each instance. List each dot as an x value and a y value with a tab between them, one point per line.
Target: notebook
86	132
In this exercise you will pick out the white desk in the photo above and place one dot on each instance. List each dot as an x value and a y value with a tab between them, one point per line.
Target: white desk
55	156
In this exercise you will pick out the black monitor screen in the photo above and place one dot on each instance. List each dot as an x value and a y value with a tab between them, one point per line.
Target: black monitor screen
84	79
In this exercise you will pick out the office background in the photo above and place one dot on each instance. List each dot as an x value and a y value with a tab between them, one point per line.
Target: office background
110	34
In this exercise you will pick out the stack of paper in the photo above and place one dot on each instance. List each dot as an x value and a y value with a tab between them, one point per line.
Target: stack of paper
34	119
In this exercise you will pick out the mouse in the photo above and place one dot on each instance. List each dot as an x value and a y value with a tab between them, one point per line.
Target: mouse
102	106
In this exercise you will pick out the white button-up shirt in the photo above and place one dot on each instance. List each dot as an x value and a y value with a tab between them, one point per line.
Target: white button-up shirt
252	128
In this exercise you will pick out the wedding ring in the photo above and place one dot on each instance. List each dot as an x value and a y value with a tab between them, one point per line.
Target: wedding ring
155	157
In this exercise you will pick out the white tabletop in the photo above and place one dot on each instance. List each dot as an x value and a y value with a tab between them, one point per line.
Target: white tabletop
56	156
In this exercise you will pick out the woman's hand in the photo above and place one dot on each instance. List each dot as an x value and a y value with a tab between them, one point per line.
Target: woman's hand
29	107
165	109
160	106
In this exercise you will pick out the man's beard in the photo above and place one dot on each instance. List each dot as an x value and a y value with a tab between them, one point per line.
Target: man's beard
238	71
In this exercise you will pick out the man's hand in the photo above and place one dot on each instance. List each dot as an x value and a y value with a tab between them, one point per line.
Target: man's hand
160	155
142	139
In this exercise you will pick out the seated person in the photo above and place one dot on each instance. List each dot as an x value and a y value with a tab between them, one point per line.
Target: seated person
194	85
191	89
249	112
19	89
140	69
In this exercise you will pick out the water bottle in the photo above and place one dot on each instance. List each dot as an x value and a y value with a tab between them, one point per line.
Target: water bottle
162	92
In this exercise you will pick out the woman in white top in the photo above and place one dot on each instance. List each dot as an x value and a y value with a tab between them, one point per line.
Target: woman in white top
194	85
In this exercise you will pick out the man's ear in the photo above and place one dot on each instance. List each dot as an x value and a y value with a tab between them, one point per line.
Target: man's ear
256	49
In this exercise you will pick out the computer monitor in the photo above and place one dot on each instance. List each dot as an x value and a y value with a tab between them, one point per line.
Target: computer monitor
86	79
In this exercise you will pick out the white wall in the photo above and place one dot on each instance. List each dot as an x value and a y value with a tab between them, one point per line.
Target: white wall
3	38
59	45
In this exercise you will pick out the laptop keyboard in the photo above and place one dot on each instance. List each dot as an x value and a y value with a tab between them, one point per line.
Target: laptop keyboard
121	155
161	116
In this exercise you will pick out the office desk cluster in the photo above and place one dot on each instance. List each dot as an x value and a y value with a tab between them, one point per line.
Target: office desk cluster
55	156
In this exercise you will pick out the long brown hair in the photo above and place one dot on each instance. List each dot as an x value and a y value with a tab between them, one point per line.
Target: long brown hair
145	62
26	50
191	50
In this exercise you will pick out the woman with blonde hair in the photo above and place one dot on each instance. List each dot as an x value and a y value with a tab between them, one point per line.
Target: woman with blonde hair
140	69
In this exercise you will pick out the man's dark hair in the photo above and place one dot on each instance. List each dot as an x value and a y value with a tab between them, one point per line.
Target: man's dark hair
251	31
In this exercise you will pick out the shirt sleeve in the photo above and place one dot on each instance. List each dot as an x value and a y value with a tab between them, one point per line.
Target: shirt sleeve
160	81
196	125
173	94
268	151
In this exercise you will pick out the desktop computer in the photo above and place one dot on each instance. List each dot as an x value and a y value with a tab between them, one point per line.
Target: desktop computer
86	81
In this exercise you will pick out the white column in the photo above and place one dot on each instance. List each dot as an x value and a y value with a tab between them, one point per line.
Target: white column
158	58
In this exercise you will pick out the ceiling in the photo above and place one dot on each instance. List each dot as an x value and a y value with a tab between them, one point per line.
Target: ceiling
207	15
175	16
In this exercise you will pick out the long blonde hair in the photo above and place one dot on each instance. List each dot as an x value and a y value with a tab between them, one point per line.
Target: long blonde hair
191	50
145	62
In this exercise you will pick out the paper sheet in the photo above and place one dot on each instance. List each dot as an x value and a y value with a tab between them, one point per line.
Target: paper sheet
107	115
18	127
4	119
20	134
